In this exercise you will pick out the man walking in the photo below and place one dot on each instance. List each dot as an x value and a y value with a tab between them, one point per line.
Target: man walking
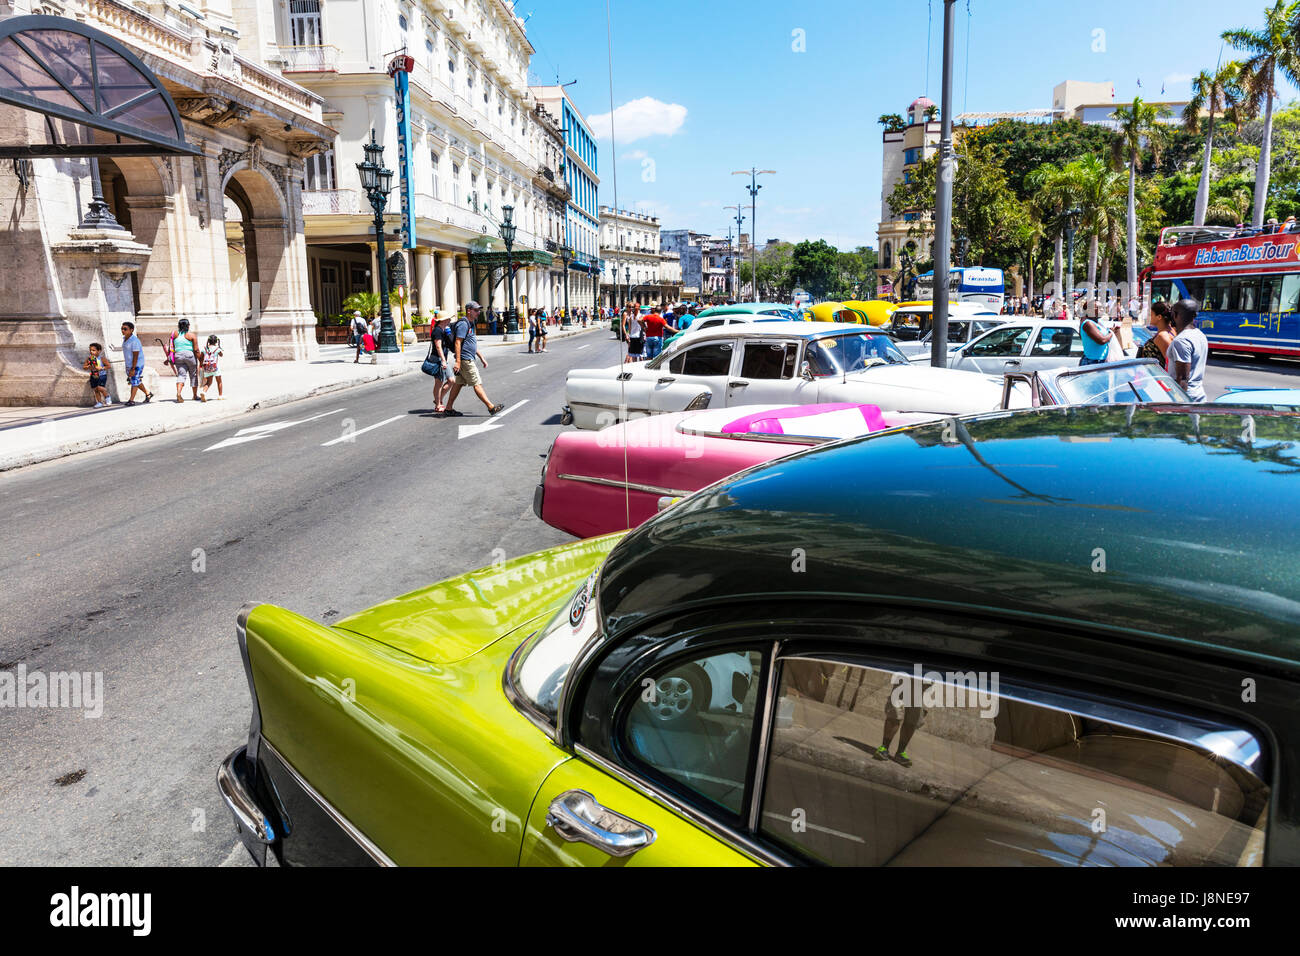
133	360
1189	351
466	350
359	330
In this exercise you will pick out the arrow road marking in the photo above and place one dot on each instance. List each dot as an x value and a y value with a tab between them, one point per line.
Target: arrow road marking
265	431
524	369
361	431
491	424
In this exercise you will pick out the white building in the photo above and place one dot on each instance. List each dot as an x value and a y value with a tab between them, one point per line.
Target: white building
636	267
476	145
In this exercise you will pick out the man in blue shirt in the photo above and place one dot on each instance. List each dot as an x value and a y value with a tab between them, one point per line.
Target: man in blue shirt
133	361
465	351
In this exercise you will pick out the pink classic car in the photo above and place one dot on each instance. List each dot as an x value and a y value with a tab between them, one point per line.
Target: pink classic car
596	482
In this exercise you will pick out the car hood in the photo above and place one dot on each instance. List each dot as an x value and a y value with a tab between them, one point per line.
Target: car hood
456	618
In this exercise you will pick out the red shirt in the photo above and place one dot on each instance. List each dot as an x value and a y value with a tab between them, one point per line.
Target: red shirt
654	325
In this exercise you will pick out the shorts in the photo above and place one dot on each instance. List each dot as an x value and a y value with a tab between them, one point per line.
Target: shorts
186	367
212	374
635	346
136	377
468	374
99	380
445	373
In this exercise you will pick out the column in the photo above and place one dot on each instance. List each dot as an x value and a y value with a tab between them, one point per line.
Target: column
448	298
425	279
463	272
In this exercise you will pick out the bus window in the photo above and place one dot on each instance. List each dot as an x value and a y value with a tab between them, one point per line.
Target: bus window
1245	294
1215	298
1290	294
1280	294
1162	290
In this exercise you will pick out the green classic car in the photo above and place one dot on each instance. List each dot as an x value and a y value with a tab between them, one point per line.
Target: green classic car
1056	637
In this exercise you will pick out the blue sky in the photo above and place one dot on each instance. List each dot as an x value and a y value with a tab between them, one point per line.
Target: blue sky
704	87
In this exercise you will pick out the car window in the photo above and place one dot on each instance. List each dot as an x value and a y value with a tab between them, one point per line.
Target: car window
784	313
852	351
1008	341
1124	385
710	323
982	327
1057	341
771	360
869	767
711	359
692	721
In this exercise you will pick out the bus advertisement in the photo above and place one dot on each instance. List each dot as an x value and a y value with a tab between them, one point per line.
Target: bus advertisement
1248	286
977	284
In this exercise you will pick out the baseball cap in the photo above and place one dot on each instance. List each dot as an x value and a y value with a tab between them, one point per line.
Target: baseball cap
471	304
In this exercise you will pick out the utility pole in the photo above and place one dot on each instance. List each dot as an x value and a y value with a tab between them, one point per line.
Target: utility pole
740	218
754	187
943	202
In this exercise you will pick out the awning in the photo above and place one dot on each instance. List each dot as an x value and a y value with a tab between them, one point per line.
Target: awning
67	89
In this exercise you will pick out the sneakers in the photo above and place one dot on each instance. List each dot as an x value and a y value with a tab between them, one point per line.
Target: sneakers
902	758
99	404
881	753
108	400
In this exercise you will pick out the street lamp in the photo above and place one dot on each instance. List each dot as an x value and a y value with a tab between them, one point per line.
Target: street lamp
740	218
508	229
1071	217
753	188
378	182
566	256
627	285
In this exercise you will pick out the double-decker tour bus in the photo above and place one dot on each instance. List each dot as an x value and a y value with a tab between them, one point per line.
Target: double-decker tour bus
980	285
1247	281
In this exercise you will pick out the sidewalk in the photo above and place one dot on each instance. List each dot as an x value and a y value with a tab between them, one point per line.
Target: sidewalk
29	435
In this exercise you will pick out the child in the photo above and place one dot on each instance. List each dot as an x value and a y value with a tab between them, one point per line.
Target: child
211	367
98	365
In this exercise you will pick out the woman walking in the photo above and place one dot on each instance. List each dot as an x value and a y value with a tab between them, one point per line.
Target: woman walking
184	349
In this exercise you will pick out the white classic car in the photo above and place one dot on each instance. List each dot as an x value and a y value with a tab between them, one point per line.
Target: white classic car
786	363
1025	345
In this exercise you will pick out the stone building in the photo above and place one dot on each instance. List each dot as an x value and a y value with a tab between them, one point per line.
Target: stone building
912	232
205	227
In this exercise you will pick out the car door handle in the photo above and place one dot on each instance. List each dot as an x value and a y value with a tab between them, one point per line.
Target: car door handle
577	818
667	380
624	376
1013	361
738	383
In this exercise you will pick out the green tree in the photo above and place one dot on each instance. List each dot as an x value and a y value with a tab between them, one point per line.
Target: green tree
1054	189
1274	49
1099	192
892	122
1136	123
1210	91
367	303
813	266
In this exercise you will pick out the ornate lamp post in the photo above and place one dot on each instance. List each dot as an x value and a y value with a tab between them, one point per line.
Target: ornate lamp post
508	229
627	285
378	182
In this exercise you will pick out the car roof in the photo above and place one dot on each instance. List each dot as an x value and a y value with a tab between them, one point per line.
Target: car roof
789	328
745	307
1007	515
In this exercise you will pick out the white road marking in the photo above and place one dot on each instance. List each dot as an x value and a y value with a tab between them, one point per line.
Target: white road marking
581	347
491	424
524	369
265	431
361	431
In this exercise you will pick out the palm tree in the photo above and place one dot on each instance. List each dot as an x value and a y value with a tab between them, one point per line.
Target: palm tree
367	303
1136	123
1054	189
892	122
1099	192
1228	208
931	112
1274	49
1214	92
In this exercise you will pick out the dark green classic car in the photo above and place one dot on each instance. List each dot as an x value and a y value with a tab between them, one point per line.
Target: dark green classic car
1047	637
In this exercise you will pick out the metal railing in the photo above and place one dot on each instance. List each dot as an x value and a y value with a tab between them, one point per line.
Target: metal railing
331	202
310	59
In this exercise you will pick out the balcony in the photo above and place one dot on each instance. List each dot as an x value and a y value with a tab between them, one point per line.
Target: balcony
310	59
332	202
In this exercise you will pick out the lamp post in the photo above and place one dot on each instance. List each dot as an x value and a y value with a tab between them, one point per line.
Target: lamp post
566	256
1071	217
378	182
508	229
753	188
627	285
943	202
740	218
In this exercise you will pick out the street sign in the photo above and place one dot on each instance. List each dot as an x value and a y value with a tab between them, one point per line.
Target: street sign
400	69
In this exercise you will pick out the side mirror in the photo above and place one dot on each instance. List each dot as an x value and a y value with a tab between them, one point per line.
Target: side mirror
805	372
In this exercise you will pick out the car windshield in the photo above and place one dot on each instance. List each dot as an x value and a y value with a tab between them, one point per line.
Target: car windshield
540	669
1123	385
851	352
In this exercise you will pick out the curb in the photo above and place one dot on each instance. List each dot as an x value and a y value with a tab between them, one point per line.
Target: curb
35	456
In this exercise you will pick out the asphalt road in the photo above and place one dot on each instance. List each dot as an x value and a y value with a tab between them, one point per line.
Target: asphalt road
133	561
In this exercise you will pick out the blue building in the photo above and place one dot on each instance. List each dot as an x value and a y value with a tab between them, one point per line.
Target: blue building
582	214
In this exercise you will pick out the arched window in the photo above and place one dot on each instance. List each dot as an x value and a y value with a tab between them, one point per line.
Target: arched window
887	255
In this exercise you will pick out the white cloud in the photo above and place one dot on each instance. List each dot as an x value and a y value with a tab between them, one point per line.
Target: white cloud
1174	79
638	119
635	154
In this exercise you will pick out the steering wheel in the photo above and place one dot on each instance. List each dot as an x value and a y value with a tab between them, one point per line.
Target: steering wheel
866	361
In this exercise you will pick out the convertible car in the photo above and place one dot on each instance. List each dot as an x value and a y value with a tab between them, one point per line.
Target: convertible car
1045	658
597	482
793	363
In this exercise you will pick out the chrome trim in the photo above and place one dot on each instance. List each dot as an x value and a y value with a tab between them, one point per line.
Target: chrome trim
754	436
577	817
361	840
249	816
255	723
739	841
630	485
517	700
764	739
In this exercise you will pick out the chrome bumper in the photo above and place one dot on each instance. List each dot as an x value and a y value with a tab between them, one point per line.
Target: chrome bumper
252	822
